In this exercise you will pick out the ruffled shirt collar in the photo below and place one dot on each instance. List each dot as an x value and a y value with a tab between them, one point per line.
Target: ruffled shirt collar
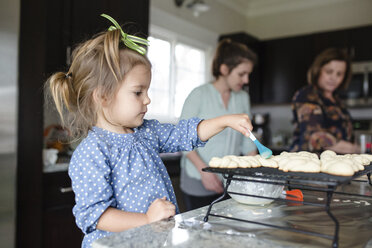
116	138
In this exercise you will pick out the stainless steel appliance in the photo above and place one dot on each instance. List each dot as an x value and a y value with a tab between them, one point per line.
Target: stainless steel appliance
359	92
261	128
363	134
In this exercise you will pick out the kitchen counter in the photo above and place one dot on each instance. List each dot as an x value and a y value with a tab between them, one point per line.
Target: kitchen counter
189	230
170	160
55	168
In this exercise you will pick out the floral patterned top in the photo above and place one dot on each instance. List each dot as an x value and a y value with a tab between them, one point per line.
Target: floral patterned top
319	122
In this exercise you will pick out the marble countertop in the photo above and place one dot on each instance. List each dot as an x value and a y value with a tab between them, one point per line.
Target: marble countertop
189	230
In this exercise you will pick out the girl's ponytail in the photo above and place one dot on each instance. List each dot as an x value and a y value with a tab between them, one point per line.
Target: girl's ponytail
62	93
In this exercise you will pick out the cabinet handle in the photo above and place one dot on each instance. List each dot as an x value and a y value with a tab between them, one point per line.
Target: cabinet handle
68	55
65	190
365	83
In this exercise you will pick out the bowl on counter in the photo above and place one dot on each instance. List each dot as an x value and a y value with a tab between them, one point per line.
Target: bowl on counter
254	188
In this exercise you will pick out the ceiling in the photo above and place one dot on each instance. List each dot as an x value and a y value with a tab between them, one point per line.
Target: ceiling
255	8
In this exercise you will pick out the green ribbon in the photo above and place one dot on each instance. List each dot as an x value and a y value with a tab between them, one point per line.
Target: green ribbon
128	40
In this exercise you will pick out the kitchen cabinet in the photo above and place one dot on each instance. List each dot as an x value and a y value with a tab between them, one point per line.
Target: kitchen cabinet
361	43
71	22
172	163
322	41
59	226
284	64
48	32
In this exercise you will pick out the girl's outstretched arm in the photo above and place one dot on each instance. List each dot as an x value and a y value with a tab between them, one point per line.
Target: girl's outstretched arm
208	128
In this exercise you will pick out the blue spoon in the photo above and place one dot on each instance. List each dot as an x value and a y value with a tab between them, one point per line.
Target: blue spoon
263	150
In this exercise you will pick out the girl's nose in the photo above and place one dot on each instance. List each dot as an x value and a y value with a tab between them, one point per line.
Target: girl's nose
147	100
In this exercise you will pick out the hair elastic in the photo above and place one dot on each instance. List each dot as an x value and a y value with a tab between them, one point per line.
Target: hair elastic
68	75
128	40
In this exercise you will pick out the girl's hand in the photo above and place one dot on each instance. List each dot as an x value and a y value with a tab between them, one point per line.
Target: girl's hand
239	122
160	209
211	182
211	127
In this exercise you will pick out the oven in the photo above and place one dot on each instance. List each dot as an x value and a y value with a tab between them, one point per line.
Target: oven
359	92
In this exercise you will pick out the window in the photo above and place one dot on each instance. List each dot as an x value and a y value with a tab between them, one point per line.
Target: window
177	68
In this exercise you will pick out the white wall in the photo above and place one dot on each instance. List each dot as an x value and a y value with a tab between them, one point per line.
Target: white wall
269	23
217	20
340	14
9	33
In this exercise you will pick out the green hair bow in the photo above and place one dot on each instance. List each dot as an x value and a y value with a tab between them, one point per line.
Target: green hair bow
129	40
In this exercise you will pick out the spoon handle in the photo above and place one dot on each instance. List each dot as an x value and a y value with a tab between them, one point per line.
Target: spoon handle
251	136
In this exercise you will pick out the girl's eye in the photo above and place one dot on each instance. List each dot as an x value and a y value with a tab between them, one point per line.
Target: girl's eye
138	93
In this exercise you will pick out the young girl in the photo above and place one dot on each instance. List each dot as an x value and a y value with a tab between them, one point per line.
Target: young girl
117	176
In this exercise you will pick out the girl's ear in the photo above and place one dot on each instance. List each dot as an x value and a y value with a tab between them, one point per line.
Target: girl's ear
224	70
98	99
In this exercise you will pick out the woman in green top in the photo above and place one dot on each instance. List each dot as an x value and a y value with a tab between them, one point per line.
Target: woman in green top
232	65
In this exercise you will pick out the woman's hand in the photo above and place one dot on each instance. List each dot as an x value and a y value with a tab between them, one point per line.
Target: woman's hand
160	209
344	147
209	128
211	182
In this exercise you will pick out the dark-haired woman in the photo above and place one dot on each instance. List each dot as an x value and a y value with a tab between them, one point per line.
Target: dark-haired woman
321	120
232	65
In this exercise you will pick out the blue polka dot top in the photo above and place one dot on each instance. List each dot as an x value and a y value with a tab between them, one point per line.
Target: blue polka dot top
125	171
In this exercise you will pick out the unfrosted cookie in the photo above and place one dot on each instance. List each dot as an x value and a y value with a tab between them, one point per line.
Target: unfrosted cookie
234	161
215	162
252	160
329	162
300	164
327	154
338	167
367	156
227	162
270	162
362	159
308	154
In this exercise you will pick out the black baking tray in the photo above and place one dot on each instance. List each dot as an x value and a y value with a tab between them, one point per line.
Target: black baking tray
298	177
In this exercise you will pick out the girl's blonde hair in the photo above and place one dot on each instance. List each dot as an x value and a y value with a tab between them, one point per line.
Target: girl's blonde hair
98	67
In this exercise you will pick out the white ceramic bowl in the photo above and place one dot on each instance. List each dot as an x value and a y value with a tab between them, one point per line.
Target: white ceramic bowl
253	188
